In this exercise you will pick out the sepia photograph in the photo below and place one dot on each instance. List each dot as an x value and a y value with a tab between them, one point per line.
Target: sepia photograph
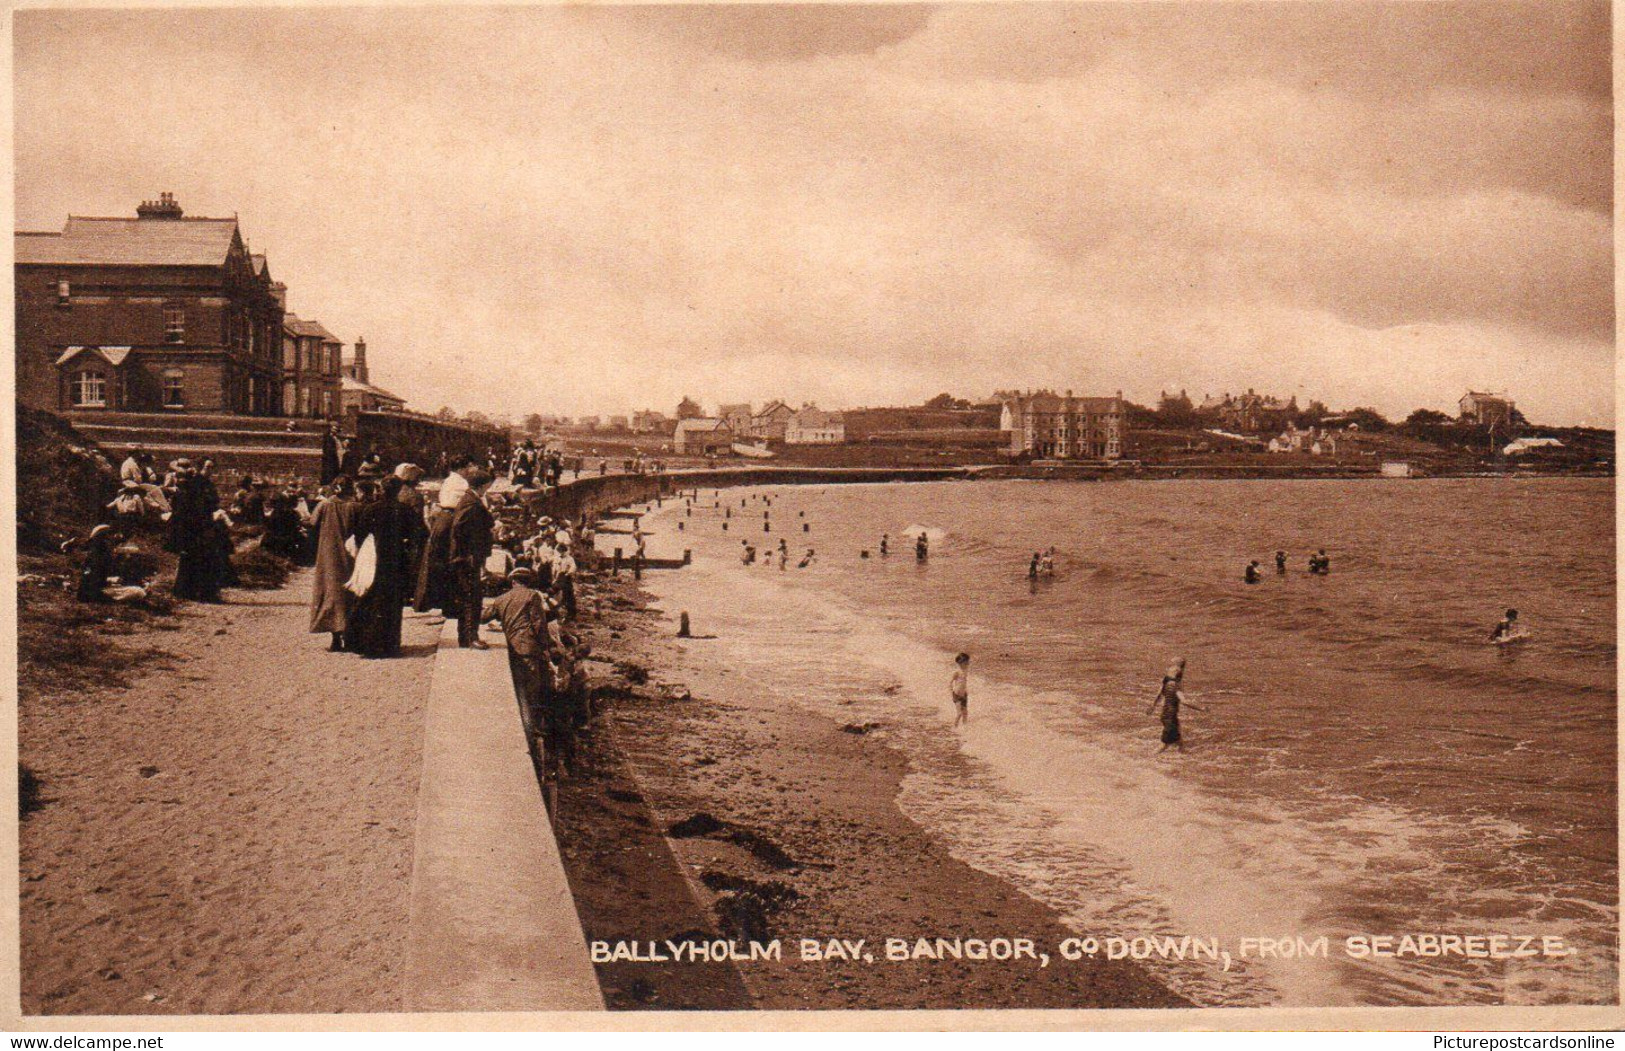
542	510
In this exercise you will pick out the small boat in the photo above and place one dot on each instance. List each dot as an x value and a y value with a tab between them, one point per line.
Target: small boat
755	452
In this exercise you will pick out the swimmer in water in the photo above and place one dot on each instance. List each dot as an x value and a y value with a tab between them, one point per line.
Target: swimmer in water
806	560
1170	700
1508	629
749	554
959	689
922	549
1032	570
885	546
1280	562
1251	574
1048	563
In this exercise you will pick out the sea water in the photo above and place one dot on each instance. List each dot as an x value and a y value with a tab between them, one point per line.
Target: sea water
1364	760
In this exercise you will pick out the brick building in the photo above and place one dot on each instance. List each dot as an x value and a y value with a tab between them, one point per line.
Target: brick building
311	366
160	313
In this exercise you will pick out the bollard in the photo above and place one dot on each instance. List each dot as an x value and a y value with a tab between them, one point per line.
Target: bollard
767	514
767	527
806	527
680	526
725	527
688	555
682	626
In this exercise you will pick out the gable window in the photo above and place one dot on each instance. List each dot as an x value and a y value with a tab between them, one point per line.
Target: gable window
64	293
88	389
174	323
174	389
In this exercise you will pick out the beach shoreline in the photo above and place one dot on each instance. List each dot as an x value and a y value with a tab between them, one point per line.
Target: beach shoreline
748	822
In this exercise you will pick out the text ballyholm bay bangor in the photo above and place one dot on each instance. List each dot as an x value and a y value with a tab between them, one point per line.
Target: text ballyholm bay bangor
1008	949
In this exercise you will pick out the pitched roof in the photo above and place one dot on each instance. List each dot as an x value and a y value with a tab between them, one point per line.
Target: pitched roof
816	418
772	407
351	384
298	326
700	424
131	242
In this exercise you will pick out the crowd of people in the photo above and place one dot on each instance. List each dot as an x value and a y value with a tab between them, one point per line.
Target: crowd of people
380	545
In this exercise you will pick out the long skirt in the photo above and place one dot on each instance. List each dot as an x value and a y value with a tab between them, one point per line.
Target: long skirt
375	621
434	572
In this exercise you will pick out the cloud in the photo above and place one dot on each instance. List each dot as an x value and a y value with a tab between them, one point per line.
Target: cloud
589	209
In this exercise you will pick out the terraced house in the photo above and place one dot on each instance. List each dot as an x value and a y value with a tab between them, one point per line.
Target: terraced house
160	313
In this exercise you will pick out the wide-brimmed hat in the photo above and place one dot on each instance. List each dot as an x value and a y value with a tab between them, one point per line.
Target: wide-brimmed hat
522	573
182	464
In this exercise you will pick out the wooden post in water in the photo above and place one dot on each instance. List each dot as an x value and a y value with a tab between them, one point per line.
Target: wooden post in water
688	555
682	626
616	570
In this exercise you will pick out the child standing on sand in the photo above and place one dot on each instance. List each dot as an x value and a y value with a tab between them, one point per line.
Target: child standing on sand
959	689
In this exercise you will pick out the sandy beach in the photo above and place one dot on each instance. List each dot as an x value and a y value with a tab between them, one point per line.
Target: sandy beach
780	824
233	832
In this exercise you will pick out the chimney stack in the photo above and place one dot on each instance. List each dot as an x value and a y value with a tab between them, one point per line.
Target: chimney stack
163	208
361	359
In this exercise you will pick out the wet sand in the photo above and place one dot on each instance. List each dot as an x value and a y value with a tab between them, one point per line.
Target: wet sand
726	817
231	833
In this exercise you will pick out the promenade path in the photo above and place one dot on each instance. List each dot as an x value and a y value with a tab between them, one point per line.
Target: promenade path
237	830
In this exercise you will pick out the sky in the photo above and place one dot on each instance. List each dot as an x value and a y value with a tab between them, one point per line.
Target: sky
592	210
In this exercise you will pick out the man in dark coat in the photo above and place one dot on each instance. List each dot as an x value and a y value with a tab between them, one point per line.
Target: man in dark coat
194	536
471	541
434	568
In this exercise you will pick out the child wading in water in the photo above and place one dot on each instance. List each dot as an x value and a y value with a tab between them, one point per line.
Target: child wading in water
959	688
1169	697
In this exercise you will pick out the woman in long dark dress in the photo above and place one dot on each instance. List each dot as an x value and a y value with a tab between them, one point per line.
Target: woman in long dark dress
194	536
375	621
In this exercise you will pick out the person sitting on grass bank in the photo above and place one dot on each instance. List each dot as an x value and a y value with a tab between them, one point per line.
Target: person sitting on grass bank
98	579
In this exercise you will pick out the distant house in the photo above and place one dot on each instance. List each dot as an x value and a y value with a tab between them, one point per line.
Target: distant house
1248	413
737	417
1485	409
772	421
1304	440
650	422
702	436
1053	426
587	423
814	426
618	423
